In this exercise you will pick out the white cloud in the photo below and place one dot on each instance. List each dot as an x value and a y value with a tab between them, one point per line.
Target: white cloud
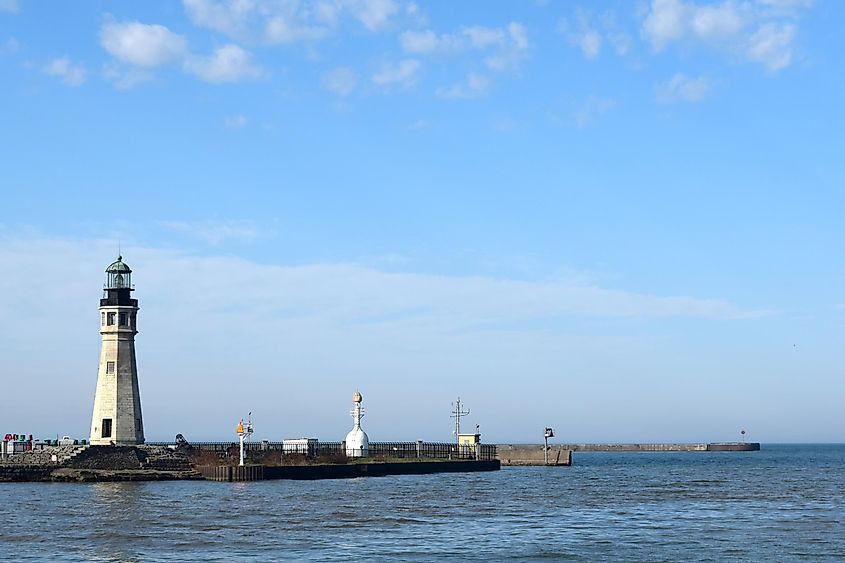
70	73
771	45
229	17
143	47
403	73
374	14
483	37
237	121
684	88
590	43
286	21
786	6
11	6
759	32
665	22
589	33
514	48
341	81
427	42
218	232
10	46
582	34
713	23
473	86
139	44
589	111
287	29
229	63
126	76
506	46
206	317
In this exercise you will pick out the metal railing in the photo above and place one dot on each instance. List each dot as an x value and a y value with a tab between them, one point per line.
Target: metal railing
417	450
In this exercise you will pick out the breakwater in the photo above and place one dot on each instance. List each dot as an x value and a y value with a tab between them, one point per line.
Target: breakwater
533	454
343	471
698	447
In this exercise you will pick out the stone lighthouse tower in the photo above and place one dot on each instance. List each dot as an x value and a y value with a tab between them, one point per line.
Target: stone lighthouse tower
117	403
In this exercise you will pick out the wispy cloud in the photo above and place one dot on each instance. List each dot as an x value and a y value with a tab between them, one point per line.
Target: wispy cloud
312	328
341	80
228	63
237	121
771	45
72	74
138	48
11	6
144	45
217	232
594	107
760	32
402	73
504	48
288	22
682	88
472	86
589	33
10	46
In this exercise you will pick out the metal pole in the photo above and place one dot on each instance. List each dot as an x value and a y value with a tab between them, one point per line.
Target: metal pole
457	414
242	449
546	450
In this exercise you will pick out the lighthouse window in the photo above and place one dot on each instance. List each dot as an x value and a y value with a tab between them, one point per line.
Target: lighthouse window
122	319
106	428
110	319
109	367
102	319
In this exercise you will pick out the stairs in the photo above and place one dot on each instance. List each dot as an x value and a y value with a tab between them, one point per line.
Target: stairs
164	459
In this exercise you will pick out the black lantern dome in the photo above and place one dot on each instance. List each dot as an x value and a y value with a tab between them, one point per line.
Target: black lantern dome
118	284
118	275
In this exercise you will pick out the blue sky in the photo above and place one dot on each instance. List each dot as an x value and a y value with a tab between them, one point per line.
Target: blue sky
621	219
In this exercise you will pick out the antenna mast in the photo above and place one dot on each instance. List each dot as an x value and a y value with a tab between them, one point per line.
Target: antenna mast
457	413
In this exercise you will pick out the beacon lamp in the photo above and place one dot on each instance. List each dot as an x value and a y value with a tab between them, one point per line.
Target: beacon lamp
244	431
547	433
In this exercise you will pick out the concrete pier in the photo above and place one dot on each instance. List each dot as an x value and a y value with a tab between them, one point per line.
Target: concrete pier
531	454
342	470
666	447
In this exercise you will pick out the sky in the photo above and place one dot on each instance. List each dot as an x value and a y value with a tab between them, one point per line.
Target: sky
620	219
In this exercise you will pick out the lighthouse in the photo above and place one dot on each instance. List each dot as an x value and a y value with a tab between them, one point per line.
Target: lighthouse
117	403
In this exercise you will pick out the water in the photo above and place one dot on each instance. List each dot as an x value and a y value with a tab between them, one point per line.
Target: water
781	504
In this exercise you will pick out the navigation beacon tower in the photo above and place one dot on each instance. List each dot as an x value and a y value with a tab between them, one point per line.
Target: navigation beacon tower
357	442
117	403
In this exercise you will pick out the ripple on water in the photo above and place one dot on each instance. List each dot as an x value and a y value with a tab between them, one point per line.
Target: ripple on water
770	505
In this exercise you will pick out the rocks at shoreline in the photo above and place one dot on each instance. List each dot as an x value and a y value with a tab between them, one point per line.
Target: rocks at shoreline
99	463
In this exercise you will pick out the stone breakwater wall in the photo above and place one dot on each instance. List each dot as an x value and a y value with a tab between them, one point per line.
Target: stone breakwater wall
636	447
699	447
343	470
24	472
532	454
101	463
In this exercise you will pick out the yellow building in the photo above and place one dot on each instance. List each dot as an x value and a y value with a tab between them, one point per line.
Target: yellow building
469	439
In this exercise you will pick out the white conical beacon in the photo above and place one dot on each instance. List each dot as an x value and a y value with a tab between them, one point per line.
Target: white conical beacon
357	443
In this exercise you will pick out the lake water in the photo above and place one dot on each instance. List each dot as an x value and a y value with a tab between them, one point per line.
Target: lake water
783	503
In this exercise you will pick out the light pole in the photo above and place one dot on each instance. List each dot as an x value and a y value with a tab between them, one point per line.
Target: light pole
547	433
457	414
243	433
